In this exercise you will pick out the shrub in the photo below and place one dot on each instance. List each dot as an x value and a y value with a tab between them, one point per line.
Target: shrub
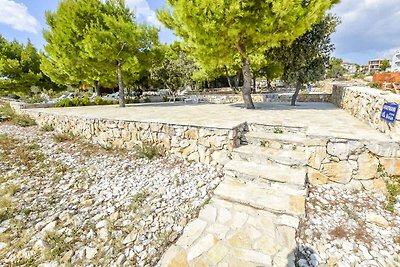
375	85
35	99
23	120
66	102
149	151
47	128
98	100
10	115
59	138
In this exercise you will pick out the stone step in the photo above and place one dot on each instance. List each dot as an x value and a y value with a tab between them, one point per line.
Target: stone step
263	155
275	140
256	127
251	194
272	172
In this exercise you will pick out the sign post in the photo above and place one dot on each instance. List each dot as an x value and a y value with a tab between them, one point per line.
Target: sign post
389	112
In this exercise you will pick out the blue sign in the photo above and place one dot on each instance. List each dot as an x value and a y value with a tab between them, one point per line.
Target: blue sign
389	112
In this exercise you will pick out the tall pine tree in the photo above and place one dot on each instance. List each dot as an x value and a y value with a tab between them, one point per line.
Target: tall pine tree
222	29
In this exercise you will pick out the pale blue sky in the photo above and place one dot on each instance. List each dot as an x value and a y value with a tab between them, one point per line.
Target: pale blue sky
369	28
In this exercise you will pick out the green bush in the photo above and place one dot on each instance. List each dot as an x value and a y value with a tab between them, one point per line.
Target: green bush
20	120
149	151
375	85
47	128
98	100
35	99
24	121
66	102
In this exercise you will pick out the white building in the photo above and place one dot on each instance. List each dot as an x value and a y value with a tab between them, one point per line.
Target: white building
395	64
350	68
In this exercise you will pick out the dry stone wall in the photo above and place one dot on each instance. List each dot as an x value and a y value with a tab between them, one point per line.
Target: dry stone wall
202	144
355	163
366	104
275	97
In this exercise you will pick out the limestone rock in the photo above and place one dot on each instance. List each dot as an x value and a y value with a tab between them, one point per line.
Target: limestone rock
391	165
316	177
367	167
377	219
340	172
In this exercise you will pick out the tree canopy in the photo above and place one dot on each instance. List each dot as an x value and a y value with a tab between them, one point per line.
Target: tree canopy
217	31
307	58
173	69
20	67
385	65
92	41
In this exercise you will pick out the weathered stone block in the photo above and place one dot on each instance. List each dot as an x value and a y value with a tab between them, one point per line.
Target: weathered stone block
316	156
192	133
340	172
367	167
391	165
316	177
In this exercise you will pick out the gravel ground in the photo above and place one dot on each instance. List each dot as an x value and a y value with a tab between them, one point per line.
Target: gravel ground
349	228
63	201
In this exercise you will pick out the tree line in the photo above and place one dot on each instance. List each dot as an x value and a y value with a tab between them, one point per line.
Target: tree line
101	43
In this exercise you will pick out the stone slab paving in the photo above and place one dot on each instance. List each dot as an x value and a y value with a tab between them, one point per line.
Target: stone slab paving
232	234
320	118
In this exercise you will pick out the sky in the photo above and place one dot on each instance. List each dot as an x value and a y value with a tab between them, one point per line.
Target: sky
369	29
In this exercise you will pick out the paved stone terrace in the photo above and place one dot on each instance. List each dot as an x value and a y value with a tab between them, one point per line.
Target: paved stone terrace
322	119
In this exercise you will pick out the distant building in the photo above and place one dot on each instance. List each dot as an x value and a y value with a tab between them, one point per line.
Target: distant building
374	65
350	68
395	64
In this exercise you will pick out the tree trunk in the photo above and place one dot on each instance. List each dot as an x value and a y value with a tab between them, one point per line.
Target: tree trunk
254	83
296	93
237	80
269	85
97	88
246	90
120	85
228	78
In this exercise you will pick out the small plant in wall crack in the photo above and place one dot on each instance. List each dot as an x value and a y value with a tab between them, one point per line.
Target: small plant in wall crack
278	131
264	143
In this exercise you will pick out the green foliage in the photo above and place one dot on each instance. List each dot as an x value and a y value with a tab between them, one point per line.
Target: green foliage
393	187
88	40
149	151
307	58
385	65
20	120
278	131
223	32
73	102
335	69
19	68
35	99
63	137
376	85
173	69
47	128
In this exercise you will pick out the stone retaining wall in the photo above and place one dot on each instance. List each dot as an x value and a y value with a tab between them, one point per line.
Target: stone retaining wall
366	104
274	97
355	163
202	144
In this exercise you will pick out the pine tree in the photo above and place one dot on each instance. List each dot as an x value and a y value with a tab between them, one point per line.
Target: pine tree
219	30
307	58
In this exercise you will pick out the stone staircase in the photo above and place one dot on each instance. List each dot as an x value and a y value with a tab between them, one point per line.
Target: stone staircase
254	213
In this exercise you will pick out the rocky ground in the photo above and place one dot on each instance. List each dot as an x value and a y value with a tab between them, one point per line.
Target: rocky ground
349	228
63	201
